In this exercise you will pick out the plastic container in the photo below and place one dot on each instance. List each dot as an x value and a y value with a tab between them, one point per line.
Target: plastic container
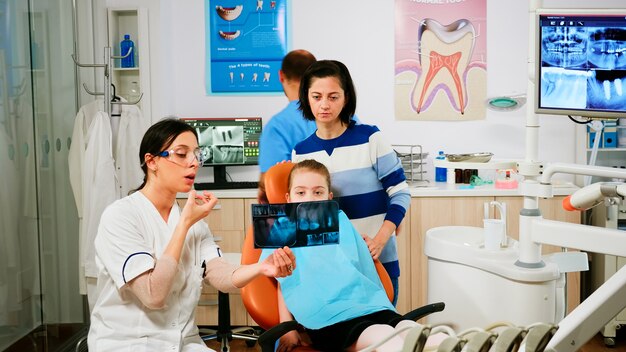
505	179
440	172
133	91
125	45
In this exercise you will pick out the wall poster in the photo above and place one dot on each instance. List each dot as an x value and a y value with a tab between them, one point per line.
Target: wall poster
246	41
440	60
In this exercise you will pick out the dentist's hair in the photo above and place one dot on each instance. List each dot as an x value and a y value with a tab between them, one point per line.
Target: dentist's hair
158	138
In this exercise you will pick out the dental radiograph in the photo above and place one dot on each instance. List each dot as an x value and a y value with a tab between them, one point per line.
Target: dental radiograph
607	48
583	67
606	90
564	46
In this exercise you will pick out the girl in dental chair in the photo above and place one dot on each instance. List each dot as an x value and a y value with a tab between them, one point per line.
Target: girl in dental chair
335	292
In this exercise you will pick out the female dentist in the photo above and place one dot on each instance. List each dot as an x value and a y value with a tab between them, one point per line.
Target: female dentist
153	257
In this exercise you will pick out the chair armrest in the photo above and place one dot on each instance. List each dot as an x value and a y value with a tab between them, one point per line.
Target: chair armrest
424	311
268	339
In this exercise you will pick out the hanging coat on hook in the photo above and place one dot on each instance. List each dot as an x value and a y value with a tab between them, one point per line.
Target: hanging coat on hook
103	166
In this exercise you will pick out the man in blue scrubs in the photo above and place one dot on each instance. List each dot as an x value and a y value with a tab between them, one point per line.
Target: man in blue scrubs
288	127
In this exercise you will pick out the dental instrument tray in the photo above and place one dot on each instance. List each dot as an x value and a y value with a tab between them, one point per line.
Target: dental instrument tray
413	160
470	158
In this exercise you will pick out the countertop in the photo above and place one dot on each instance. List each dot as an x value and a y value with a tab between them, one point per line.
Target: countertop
434	189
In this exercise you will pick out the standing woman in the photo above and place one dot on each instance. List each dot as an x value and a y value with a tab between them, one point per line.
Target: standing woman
152	256
367	176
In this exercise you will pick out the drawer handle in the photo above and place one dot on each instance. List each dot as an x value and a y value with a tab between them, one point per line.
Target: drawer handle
217	238
217	206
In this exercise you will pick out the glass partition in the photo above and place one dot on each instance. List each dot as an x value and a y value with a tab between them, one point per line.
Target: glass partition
40	305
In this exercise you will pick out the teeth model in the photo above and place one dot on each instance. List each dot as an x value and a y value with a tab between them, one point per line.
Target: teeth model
229	13
448	47
229	35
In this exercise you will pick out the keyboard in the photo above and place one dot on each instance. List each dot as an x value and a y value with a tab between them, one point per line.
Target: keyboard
227	185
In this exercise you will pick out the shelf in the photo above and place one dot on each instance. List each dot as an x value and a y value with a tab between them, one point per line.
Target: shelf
491	165
621	149
126	68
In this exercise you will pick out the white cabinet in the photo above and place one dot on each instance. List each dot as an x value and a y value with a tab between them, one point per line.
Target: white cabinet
131	82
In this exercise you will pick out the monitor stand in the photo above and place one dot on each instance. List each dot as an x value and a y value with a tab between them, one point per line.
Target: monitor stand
220	181
219	176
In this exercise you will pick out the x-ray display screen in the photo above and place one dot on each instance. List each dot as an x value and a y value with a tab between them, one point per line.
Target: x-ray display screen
295	224
228	141
581	63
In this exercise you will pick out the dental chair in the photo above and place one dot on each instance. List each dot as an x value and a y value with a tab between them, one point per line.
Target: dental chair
260	296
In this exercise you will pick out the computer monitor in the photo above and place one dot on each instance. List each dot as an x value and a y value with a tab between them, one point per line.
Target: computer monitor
227	141
581	62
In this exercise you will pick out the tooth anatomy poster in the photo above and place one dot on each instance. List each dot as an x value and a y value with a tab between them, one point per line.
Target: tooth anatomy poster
246	41
440	59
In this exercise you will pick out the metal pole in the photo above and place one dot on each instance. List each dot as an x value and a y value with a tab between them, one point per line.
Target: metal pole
76	70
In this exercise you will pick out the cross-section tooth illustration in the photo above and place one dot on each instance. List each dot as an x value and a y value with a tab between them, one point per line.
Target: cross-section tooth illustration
445	52
229	13
229	35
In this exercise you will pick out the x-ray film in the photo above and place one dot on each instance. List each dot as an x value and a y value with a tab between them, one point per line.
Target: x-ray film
295	224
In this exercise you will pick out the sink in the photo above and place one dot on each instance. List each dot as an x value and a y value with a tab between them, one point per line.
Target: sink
465	245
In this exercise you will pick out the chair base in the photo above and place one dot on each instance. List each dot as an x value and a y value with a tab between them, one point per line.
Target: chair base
225	336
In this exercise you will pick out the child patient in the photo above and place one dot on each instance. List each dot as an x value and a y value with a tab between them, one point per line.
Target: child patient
335	292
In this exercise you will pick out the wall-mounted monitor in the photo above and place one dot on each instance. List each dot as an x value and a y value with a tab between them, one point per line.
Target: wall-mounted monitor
227	141
581	62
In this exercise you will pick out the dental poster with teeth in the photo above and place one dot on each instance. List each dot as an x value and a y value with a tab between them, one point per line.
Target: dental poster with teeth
295	224
246	41
440	60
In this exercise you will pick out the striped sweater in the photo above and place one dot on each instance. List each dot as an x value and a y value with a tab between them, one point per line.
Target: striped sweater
367	181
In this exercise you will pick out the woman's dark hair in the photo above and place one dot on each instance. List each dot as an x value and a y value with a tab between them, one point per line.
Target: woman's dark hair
158	138
323	69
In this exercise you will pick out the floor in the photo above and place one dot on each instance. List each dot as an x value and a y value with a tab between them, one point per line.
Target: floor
595	345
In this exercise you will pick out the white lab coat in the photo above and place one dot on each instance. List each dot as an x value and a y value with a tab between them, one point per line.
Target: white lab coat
101	172
132	126
131	236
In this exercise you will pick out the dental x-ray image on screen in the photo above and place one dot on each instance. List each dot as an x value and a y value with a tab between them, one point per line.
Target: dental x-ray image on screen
581	63
295	224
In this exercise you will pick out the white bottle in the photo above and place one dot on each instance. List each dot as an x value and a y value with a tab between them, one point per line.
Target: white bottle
450	176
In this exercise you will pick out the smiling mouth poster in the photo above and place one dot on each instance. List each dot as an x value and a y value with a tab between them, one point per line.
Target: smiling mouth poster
440	60
246	41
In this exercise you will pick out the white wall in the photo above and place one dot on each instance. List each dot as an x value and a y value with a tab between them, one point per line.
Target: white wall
360	34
